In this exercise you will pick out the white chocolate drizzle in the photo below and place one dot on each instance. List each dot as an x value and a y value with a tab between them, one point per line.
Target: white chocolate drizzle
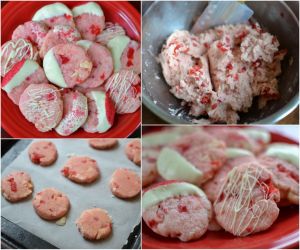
125	97
240	187
38	104
15	51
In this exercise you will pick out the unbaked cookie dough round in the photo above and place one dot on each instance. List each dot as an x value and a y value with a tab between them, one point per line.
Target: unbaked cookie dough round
103	144
43	153
51	204
81	169
94	224
125	183
16	186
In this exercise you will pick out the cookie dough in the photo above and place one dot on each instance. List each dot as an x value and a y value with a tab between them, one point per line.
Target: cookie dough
218	72
125	183
81	169
43	153
103	144
51	204
94	224
16	186
133	151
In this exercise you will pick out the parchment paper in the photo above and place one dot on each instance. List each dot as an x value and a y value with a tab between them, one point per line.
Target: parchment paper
125	213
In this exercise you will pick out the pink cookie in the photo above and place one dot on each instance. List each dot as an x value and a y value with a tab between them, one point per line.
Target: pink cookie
67	65
205	153
34	32
81	169
22	74
133	151
102	63
101	112
43	153
89	20
237	138
14	51
54	14
75	112
213	224
176	210
125	183
214	185
16	186
285	177
58	35
87	90
124	90
149	169
131	57
111	30
94	224
246	203
103	143
51	204
41	104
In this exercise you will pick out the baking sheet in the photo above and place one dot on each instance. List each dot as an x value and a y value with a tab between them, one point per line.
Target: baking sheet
125	213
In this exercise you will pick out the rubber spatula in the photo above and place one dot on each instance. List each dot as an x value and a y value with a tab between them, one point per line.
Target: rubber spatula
222	12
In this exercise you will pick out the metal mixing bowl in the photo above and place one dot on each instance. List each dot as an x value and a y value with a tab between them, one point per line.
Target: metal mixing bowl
163	18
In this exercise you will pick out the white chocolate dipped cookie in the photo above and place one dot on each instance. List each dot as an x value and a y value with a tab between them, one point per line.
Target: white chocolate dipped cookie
23	74
101	112
89	19
177	210
67	65
54	14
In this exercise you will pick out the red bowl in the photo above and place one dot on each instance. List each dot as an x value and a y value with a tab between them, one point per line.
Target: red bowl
284	233
16	13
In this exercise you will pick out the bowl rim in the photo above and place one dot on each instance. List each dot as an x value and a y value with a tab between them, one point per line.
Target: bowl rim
271	119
